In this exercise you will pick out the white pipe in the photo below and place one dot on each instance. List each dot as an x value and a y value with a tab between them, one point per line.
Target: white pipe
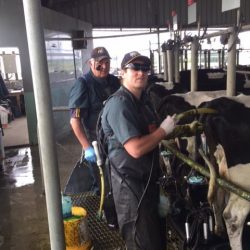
170	65
165	65
231	66
177	64
40	77
194	64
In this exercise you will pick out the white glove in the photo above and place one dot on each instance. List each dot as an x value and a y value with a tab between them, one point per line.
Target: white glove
168	124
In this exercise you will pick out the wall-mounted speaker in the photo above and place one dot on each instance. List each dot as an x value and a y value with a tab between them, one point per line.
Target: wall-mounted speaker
79	44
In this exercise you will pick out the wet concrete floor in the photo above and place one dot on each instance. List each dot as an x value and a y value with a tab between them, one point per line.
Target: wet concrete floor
23	215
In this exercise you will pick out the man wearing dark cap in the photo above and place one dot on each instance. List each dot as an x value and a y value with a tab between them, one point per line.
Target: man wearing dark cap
133	133
86	100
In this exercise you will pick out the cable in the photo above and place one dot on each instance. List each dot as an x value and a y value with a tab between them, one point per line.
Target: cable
140	201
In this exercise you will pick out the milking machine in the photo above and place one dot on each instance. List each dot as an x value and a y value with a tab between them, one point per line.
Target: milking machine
190	223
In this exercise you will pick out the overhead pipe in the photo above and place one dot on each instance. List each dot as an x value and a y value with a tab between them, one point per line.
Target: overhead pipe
39	70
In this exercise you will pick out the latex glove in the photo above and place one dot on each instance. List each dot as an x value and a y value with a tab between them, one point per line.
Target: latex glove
89	154
168	124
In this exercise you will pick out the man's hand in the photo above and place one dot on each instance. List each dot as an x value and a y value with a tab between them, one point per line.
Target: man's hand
89	154
168	124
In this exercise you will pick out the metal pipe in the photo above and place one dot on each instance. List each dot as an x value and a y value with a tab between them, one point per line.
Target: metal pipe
159	50
243	28
176	64
181	58
102	37
194	64
223	58
170	65
209	58
219	59
231	70
205	59
165	65
39	70
237	57
186	59
231	187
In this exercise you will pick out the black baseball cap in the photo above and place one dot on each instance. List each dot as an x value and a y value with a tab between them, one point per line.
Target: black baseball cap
134	55
99	53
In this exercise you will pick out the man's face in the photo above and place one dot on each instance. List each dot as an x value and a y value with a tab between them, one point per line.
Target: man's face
134	77
101	68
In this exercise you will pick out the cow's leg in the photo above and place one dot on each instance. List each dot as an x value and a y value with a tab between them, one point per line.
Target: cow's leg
219	202
218	208
237	208
235	215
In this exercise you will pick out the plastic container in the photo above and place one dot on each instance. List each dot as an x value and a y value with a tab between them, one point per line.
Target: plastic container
66	206
76	232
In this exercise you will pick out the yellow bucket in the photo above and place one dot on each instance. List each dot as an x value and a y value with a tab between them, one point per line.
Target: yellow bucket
76	233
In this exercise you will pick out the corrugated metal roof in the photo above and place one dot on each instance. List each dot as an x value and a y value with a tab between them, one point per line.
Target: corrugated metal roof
146	13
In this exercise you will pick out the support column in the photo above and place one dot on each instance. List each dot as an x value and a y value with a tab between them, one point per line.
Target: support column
186	59
165	65
176	63
231	66
170	56
205	59
209	59
223	58
181	58
194	64
219	59
40	77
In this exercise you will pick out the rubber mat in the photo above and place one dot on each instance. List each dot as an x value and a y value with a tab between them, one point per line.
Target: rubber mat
103	237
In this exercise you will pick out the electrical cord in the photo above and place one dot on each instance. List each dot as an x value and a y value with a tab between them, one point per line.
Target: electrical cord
141	199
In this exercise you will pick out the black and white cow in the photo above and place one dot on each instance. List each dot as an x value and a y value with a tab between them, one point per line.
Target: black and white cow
228	136
230	128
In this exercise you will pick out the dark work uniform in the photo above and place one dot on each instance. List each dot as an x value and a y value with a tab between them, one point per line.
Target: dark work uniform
86	101
125	117
87	97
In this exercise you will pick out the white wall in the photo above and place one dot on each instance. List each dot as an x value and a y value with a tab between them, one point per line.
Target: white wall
13	34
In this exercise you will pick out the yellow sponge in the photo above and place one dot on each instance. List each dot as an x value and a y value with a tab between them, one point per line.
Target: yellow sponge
78	211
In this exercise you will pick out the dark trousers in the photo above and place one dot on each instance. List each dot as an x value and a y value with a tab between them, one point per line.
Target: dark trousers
140	228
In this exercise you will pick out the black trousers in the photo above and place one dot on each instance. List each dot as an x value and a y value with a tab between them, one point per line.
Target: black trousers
141	228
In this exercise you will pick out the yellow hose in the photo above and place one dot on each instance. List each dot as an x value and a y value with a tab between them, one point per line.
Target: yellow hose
102	192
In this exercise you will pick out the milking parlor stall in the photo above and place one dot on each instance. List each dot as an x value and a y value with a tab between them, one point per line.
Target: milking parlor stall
205	161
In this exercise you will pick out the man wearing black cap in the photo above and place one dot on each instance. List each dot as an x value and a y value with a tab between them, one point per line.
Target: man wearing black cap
86	100
133	132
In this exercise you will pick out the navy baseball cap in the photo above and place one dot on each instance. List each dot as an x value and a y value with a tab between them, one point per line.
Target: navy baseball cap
134	55
99	53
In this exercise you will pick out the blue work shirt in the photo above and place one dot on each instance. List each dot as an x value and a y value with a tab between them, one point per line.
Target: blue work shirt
86	99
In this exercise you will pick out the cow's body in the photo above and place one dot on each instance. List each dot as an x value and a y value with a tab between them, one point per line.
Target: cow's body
230	128
233	208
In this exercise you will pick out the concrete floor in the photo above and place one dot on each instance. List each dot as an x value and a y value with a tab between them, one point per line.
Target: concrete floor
16	132
23	216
